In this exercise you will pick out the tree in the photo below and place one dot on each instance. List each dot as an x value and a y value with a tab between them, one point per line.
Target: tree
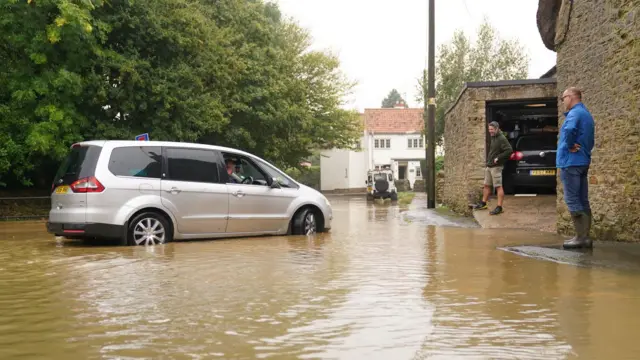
392	99
489	59
227	72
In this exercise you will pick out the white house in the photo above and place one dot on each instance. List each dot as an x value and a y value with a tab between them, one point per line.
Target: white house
391	137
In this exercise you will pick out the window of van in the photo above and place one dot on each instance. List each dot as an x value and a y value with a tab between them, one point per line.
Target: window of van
136	161
193	165
80	163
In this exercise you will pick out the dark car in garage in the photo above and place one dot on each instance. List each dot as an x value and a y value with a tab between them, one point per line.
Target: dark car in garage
532	163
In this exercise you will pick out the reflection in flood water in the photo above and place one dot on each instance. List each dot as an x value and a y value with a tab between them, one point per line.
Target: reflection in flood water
384	284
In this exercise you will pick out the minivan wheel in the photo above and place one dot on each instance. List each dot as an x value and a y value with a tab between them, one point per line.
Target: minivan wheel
305	223
148	229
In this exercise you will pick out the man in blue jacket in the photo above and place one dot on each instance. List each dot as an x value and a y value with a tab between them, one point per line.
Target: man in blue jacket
573	158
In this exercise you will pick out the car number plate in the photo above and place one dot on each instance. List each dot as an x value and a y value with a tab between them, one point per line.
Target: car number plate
543	172
62	189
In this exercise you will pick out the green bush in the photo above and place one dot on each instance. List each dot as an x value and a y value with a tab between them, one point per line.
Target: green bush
308	176
439	164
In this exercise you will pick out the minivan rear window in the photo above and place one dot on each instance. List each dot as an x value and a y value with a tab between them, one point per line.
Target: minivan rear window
80	163
537	143
136	161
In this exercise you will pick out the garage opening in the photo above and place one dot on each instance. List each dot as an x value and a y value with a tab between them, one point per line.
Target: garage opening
532	129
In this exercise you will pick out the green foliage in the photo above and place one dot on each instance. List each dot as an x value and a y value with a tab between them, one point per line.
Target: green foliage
227	72
307	176
439	165
489	59
392	99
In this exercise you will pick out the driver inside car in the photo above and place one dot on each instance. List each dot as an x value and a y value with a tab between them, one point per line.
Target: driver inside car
233	177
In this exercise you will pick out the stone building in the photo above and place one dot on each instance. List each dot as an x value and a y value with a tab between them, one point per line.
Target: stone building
466	136
598	50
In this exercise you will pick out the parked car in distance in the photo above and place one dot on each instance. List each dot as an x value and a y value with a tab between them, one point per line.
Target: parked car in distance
150	192
380	185
533	163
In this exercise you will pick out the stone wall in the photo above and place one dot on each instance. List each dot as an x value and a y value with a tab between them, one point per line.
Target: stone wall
465	139
601	55
440	187
419	186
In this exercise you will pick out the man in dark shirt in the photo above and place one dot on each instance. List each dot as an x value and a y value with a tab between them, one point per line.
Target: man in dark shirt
499	152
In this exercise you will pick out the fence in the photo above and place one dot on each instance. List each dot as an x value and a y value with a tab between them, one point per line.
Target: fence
24	208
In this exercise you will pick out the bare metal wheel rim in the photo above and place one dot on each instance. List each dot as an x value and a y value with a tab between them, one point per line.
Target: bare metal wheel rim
310	224
149	231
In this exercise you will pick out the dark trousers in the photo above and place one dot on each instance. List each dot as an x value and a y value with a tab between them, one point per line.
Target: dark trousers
576	188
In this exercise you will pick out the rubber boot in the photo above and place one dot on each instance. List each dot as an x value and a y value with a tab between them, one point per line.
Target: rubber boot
587	232
580	223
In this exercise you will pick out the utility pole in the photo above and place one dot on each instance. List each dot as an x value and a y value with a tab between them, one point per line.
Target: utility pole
431	116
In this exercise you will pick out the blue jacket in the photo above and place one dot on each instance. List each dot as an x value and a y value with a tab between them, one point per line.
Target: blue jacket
578	128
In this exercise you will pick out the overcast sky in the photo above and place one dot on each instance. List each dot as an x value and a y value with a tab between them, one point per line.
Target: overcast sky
383	44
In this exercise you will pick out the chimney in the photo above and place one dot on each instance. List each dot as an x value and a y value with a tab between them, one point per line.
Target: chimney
400	105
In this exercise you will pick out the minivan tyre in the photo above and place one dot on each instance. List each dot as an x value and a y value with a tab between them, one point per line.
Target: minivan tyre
305	223
394	196
160	230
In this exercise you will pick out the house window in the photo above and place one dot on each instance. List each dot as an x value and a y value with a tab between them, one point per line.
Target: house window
417	143
382	143
418	171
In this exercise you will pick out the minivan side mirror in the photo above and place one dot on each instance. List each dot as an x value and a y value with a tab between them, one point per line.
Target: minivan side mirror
275	184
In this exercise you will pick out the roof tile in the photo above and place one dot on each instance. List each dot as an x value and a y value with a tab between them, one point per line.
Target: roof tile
393	121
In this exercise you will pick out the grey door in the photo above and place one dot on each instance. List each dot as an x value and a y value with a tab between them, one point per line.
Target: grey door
254	206
192	190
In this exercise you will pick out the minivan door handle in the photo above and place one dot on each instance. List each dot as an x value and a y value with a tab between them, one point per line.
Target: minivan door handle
174	190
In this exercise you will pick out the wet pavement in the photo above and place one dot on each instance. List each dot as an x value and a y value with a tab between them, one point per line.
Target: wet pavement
385	283
538	212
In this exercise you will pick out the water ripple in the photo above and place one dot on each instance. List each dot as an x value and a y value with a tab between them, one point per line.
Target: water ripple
384	284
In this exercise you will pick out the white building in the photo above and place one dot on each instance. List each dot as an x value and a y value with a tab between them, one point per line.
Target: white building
392	137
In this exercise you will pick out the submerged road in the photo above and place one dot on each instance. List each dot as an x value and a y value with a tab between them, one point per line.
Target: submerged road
386	283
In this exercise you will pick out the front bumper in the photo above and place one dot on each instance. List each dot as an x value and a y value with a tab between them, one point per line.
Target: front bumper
87	230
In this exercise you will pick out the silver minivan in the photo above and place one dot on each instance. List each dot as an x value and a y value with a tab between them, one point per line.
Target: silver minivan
151	192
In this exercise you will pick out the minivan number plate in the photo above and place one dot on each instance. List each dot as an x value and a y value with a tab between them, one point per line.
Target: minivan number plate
543	172
62	189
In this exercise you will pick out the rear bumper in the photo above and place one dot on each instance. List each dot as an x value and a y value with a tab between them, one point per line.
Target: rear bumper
377	194
86	230
525	179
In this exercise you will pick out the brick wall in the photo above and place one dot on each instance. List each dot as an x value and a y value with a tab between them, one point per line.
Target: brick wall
601	55
465	140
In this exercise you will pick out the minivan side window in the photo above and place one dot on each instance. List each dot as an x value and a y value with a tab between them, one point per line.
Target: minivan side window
136	161
193	165
283	180
241	169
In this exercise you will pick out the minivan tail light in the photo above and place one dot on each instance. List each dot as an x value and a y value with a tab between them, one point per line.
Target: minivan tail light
87	185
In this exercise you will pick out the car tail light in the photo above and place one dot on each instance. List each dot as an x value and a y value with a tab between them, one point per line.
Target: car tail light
87	185
516	156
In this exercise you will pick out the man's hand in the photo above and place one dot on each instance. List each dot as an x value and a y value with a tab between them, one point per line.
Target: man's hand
575	148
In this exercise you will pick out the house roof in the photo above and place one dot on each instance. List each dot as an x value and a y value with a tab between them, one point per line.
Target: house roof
393	121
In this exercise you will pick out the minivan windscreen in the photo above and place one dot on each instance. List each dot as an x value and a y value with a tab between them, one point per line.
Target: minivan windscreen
80	163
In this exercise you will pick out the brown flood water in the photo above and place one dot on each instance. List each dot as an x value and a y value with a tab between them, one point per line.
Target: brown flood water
375	287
